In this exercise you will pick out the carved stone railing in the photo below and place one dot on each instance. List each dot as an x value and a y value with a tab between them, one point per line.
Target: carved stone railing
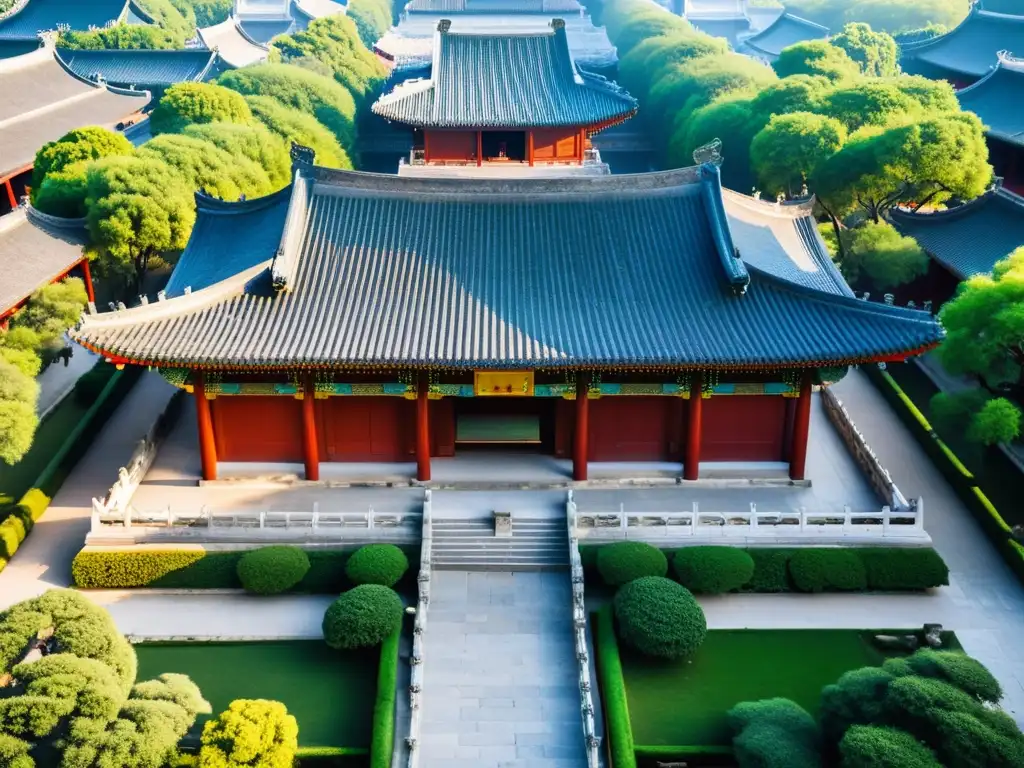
878	476
907	525
591	739
419	632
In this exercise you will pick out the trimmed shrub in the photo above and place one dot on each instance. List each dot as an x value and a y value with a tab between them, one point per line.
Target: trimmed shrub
377	564
251	732
114	570
613	691
959	669
712	570
272	570
873	747
888	568
326	573
774	733
822	570
857	698
660	618
382	740
624	561
771	570
363	617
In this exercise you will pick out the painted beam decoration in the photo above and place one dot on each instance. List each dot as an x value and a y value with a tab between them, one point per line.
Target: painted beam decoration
503	383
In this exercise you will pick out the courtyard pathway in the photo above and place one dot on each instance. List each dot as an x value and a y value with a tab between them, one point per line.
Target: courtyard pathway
500	679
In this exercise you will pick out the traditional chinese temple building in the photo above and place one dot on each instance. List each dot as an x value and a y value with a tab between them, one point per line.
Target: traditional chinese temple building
785	31
476	109
411	42
721	18
970	51
964	241
357	317
997	100
152	70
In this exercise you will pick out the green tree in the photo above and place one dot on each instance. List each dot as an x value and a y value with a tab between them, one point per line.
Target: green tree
300	89
630	23
881	255
137	207
998	421
298	127
871	102
985	326
816	57
62	193
648	60
857	698
797	93
74	147
210	12
774	733
729	118
123	37
252	733
921	161
18	420
253	143
186	103
52	309
977	415
874	747
791	147
372	19
876	53
882	15
202	165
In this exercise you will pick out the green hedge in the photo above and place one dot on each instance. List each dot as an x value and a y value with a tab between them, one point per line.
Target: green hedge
817	569
383	564
613	691
19	521
626	561
272	570
196	569
363	617
913	566
383	738
713	570
958	476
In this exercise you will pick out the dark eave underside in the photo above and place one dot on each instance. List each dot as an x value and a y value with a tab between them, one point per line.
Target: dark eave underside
972	48
43	15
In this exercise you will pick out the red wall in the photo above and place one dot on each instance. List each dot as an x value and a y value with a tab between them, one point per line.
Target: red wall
258	428
366	428
442	427
635	428
449	145
556	144
743	428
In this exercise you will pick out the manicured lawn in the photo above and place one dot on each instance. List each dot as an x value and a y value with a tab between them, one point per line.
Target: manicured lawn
331	693
685	702
996	475
16	479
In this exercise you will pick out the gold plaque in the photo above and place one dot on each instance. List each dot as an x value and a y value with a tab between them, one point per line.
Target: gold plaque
503	383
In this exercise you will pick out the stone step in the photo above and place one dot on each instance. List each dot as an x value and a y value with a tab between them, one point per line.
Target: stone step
449	535
497	566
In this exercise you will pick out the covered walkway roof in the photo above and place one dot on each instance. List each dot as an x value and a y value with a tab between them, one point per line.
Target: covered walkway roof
998	99
969	51
125	69
785	31
35	250
45	15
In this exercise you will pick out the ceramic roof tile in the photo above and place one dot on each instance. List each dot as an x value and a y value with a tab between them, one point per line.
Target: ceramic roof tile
971	238
139	68
34	252
969	50
598	270
997	100
785	31
18	46
505	80
43	15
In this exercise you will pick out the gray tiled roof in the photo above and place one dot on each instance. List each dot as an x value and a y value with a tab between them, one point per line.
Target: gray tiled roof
729	29
35	250
505	80
997	99
43	15
18	46
714	9
42	101
493	6
971	48
234	48
139	68
785	31
602	270
971	238
1010	7
262	31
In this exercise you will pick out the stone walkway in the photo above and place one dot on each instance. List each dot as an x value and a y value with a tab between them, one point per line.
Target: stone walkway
500	679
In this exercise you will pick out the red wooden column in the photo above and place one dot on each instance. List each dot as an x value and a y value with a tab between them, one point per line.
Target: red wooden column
691	466
87	279
582	437
10	194
207	446
423	428
479	148
310	444
529	147
801	430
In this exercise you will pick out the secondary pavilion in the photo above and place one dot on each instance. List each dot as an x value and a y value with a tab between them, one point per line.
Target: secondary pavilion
997	100
478	109
356	317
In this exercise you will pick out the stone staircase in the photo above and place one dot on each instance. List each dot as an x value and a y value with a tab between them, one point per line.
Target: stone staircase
471	545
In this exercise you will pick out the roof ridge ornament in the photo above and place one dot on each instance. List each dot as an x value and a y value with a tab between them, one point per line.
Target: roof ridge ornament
302	155
444	25
709	153
557	24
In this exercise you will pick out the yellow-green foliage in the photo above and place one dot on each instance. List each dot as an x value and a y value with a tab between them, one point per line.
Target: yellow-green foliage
113	570
252	733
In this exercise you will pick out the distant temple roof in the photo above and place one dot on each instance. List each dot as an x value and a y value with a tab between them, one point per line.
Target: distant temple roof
44	15
968	51
1009	7
234	46
35	250
43	101
998	98
970	238
505	80
18	46
493	6
714	9
365	269
140	68
785	31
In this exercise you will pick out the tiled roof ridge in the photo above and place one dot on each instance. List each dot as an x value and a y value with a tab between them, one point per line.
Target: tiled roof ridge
67	55
49	221
248	38
33	58
718	223
964	209
794	209
784	17
282	270
215	206
976	12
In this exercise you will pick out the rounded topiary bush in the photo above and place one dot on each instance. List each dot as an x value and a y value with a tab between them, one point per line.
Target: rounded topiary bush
624	561
362	617
713	570
658	617
381	564
827	570
272	570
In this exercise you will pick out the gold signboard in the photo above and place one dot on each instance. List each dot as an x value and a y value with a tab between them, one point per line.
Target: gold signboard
503	383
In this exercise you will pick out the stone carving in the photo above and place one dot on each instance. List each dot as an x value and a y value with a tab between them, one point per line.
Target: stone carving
932	635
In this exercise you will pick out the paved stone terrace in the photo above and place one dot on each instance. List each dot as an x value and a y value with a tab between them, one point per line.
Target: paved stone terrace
500	678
